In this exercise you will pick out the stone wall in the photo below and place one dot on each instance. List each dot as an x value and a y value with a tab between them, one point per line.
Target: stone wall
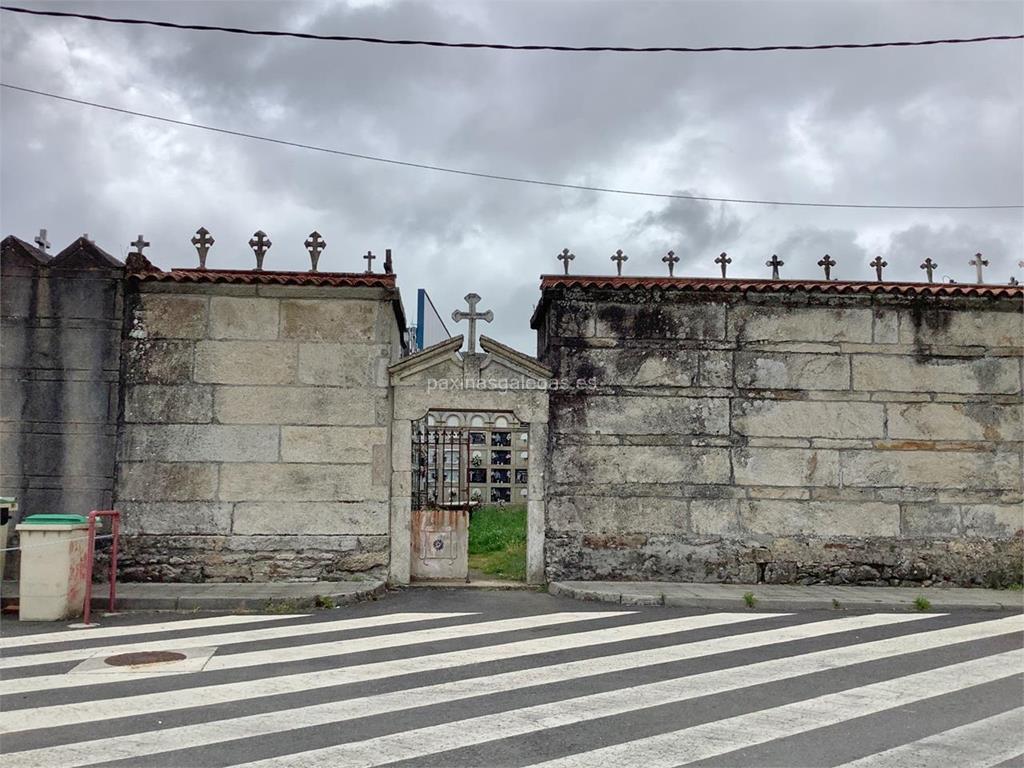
59	347
785	436
255	441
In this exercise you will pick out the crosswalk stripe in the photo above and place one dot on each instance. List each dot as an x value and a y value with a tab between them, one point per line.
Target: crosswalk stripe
139	705
315	650
218	639
124	630
720	737
420	742
980	744
135	745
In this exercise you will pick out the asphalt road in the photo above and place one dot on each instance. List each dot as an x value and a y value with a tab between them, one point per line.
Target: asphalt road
490	678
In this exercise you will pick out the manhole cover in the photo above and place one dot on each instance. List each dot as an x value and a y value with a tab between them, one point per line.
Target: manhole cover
142	657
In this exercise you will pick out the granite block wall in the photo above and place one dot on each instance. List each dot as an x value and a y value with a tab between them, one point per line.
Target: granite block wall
60	336
790	436
255	438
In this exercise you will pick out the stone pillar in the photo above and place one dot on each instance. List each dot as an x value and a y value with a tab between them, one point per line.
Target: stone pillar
535	505
401	501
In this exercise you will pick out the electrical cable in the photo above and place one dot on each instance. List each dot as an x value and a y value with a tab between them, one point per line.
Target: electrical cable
482	175
508	46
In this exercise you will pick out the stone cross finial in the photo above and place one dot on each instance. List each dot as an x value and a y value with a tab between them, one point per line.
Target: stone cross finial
977	262
929	267
618	257
41	240
260	244
203	241
139	244
472	316
315	245
774	263
724	261
878	264
671	259
369	257
565	257
826	263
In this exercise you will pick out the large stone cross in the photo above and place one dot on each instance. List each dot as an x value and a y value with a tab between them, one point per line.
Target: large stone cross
618	257
41	240
671	259
826	263
202	240
139	244
774	263
369	257
723	261
472	316
565	257
977	262
315	244
929	266
260	244
878	264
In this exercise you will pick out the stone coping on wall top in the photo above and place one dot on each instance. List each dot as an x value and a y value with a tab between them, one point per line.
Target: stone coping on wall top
784	286
717	285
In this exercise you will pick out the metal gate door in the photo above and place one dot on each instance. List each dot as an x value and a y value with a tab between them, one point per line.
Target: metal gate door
440	502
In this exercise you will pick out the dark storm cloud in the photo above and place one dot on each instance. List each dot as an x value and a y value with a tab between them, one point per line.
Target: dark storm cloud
936	125
803	248
693	229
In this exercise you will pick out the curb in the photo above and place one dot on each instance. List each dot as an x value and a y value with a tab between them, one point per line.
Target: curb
205	598
655	597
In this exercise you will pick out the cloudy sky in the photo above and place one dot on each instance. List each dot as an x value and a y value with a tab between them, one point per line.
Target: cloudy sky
937	125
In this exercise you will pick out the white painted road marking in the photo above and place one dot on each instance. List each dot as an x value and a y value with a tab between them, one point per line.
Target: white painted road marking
74	636
137	706
316	650
980	744
226	638
522	705
135	745
664	751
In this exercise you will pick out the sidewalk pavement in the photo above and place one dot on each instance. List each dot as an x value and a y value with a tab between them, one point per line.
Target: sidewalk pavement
286	596
785	597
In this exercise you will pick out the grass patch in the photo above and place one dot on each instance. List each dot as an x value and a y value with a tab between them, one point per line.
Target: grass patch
497	542
922	603
749	599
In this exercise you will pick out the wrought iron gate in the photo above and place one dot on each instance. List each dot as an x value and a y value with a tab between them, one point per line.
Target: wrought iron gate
440	502
440	460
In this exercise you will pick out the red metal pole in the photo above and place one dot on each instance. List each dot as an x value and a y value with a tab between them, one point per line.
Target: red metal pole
90	553
115	529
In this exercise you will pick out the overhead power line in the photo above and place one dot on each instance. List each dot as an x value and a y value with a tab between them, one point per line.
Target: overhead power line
481	175
509	46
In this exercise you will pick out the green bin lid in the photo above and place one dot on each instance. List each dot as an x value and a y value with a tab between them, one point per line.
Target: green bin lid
55	520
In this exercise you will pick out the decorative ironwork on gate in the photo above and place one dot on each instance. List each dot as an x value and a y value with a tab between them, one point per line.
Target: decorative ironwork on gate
440	457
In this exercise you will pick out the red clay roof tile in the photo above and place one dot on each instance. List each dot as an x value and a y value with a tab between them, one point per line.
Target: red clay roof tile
783	286
252	277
